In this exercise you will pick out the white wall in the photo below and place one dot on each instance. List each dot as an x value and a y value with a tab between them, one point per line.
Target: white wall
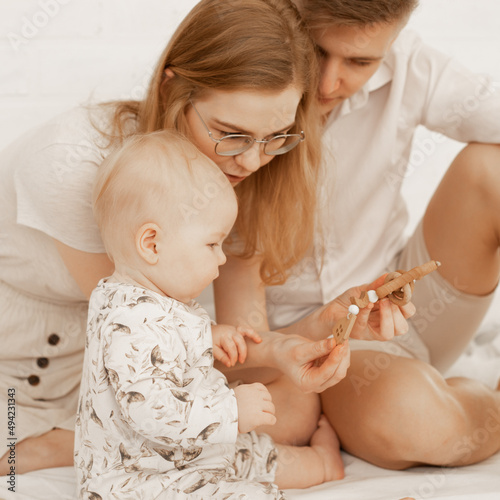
469	31
57	53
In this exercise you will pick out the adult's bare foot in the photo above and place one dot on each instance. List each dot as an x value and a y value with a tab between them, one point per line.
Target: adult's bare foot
326	444
52	449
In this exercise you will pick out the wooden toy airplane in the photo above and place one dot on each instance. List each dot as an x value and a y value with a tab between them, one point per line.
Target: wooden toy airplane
398	287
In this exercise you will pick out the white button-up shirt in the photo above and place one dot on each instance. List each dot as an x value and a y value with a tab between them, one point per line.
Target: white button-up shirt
367	154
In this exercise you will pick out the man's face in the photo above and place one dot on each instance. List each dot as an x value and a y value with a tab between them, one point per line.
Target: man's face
350	56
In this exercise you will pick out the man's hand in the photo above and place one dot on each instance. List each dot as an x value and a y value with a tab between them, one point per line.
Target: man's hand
380	321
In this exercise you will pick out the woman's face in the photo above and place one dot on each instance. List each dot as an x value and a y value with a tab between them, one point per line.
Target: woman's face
259	114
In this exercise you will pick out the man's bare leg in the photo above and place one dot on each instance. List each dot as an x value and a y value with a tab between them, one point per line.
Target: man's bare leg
462	220
396	413
52	449
462	230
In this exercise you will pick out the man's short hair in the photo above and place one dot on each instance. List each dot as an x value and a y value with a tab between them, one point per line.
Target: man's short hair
321	13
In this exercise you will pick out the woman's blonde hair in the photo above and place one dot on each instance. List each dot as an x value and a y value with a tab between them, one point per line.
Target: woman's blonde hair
254	45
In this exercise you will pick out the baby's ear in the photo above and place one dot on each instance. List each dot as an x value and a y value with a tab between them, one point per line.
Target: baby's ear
146	240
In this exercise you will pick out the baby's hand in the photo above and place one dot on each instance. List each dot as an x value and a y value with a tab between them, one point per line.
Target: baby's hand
255	406
229	343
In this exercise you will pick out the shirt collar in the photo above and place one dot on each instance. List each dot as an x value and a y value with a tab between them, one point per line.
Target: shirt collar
381	77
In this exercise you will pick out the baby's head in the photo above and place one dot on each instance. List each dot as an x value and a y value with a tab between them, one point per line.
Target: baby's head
163	210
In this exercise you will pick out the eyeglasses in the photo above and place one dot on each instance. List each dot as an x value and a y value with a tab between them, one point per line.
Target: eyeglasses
235	144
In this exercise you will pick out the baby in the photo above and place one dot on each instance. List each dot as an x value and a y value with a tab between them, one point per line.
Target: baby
155	418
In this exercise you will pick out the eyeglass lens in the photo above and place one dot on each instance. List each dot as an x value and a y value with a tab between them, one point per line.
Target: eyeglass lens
237	144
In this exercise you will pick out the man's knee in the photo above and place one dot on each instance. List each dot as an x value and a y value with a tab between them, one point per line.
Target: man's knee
479	165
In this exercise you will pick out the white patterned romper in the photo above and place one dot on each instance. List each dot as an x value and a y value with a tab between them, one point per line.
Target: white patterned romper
156	419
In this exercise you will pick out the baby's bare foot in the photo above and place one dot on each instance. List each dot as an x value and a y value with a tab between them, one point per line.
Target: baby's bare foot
326	444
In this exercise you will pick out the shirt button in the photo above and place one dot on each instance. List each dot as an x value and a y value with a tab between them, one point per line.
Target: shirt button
33	380
42	362
54	339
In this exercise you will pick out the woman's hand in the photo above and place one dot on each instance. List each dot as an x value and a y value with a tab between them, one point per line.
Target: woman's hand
380	321
312	365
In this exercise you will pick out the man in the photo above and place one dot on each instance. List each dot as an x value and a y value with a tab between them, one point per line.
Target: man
377	85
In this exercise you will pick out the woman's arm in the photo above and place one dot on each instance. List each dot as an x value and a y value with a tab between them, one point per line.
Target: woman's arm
239	293
240	301
86	268
301	350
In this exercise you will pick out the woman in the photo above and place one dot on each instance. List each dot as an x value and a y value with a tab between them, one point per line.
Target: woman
243	67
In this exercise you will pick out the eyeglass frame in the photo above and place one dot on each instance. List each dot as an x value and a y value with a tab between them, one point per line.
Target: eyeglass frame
301	137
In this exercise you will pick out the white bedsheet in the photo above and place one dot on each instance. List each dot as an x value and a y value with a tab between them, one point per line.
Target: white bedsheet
363	481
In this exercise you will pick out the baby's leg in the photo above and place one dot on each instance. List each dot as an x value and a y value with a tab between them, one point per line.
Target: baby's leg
304	466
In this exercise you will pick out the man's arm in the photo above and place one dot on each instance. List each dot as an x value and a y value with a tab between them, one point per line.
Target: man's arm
459	103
